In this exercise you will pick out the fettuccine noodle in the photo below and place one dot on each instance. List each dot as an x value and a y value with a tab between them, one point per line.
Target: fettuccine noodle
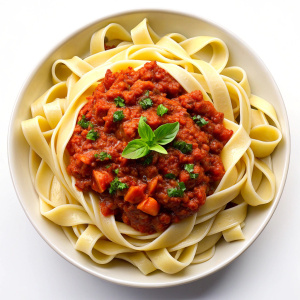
248	179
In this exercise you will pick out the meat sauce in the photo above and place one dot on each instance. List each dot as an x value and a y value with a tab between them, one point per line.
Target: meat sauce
143	200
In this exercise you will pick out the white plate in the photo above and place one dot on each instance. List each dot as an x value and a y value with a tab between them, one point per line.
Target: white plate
162	22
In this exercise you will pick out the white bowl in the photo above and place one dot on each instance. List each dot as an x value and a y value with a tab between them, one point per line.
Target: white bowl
162	22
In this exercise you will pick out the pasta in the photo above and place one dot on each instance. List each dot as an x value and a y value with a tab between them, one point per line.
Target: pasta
248	180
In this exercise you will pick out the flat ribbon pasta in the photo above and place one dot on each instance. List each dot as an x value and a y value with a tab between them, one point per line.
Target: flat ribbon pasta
247	181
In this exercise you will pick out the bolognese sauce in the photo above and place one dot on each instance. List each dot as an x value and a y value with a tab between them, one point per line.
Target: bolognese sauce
154	191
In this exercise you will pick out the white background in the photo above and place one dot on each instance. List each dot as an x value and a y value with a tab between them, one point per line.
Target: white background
30	269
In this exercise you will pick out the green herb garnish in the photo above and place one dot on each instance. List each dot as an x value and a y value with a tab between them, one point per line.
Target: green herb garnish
183	146
83	123
177	192
146	103
116	184
108	166
194	175
161	110
119	102
200	121
102	156
170	176
92	135
118	116
116	171
148	160
190	168
150	140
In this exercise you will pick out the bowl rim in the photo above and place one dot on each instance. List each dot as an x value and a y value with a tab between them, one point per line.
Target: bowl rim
183	280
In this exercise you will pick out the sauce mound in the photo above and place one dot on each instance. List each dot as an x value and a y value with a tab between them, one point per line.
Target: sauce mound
154	191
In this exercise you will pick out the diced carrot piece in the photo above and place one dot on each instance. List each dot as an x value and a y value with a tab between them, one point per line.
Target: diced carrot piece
102	180
86	158
149	206
135	194
152	185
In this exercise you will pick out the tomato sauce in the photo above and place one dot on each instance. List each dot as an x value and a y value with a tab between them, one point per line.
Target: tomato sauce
142	200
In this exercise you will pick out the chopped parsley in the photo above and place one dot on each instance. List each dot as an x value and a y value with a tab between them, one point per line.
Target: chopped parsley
170	176
177	192
161	110
200	121
102	156
83	123
183	146
116	171
146	103
108	166
119	102
190	168
118	116
92	135
116	184
194	175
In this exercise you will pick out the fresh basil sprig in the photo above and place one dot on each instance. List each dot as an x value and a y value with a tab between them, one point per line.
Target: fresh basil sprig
150	140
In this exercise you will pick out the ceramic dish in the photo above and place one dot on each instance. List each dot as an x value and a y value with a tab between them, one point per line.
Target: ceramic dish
162	22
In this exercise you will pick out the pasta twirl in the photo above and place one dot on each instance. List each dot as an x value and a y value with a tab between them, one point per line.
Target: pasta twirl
247	181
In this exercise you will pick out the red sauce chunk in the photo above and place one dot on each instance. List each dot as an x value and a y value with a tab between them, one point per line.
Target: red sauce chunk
154	191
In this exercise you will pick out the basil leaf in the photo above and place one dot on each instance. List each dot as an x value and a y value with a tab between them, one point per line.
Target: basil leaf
119	102
136	149
118	116
145	131
158	148
161	110
166	133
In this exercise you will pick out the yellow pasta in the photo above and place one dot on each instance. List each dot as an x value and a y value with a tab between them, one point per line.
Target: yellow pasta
247	181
